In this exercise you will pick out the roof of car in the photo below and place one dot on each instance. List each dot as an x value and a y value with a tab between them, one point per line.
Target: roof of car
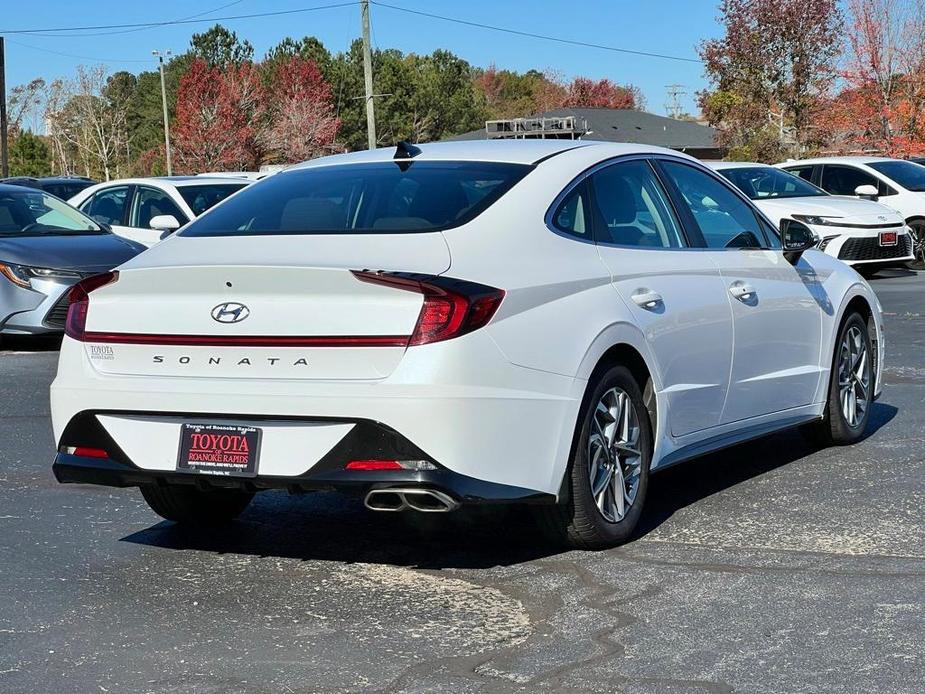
530	151
176	181
836	160
718	165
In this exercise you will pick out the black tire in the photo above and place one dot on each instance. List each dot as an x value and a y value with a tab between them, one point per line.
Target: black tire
918	245
189	505
579	523
834	429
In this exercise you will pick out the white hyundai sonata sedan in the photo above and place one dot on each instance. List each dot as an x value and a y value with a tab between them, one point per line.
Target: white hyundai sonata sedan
542	322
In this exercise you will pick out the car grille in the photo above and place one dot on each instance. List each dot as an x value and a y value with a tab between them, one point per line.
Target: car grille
57	316
870	249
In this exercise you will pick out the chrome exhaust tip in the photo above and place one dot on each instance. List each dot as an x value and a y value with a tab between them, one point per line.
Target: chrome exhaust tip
422	500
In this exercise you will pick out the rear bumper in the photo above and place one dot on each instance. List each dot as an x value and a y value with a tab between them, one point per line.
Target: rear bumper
469	411
366	440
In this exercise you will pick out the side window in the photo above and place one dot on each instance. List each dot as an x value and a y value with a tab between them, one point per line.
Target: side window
572	215
150	202
107	206
842	180
804	172
631	209
724	219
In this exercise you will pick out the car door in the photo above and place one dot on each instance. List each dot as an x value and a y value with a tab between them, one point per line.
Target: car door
675	294
147	203
777	307
110	206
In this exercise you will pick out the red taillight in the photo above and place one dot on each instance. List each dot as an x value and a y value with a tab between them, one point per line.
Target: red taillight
90	452
451	307
374	465
79	303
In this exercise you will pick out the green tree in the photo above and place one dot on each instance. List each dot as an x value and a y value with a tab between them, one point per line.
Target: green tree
220	47
29	155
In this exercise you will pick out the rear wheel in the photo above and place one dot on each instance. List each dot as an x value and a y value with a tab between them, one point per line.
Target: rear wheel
196	506
608	475
918	245
851	386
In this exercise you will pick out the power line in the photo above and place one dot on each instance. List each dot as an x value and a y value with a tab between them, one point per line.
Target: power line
135	30
253	15
528	34
80	57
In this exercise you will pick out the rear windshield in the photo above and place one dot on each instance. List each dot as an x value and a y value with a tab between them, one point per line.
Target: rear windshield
66	190
201	198
375	198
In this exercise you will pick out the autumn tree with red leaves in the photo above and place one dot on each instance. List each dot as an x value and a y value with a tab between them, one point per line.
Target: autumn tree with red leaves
772	75
301	123
882	105
587	93
220	113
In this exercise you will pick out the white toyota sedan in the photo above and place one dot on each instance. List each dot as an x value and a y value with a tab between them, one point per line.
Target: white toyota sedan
543	322
146	210
865	234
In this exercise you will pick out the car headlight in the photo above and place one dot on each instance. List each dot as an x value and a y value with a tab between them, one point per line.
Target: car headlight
21	275
816	220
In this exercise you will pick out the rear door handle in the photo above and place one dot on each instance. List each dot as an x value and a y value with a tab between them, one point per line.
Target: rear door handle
742	291
647	299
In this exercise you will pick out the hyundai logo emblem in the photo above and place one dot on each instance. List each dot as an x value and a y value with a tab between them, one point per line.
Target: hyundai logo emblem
230	312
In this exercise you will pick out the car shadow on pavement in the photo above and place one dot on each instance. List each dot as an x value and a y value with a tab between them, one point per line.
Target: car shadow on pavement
330	527
30	343
687	483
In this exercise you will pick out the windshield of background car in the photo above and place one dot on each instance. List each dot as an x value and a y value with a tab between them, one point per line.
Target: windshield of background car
201	198
34	212
907	174
766	182
65	190
374	198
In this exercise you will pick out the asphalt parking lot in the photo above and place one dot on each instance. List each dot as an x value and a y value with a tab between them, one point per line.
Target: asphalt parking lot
773	567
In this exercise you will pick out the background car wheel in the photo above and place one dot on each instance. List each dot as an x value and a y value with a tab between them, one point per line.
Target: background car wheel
918	246
195	506
608	475
851	386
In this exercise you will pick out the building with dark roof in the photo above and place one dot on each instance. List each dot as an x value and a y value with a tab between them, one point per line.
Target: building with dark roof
608	125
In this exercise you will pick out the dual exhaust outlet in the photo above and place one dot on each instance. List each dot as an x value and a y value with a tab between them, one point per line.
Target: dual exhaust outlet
423	500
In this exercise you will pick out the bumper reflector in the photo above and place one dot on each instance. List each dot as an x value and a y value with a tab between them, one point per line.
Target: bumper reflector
86	452
375	465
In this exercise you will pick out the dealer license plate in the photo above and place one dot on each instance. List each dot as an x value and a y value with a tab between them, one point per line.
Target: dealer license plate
219	449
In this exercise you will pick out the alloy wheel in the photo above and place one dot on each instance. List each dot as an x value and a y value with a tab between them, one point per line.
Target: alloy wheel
614	455
854	376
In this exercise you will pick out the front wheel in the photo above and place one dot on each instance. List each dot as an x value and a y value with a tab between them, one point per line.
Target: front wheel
851	386
917	230
192	506
608	475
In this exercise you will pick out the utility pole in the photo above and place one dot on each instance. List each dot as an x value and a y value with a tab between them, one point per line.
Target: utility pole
368	77
4	149
160	58
673	107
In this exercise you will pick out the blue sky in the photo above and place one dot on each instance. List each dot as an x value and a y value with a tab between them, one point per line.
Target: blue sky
672	27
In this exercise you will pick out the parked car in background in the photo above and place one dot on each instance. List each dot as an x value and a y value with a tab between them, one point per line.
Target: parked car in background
896	183
865	234
63	187
537	321
46	247
249	175
148	209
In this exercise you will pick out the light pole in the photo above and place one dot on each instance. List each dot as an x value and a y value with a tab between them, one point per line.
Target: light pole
160	59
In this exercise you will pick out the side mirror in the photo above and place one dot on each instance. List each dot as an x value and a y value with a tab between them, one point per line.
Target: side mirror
164	222
796	238
867	191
